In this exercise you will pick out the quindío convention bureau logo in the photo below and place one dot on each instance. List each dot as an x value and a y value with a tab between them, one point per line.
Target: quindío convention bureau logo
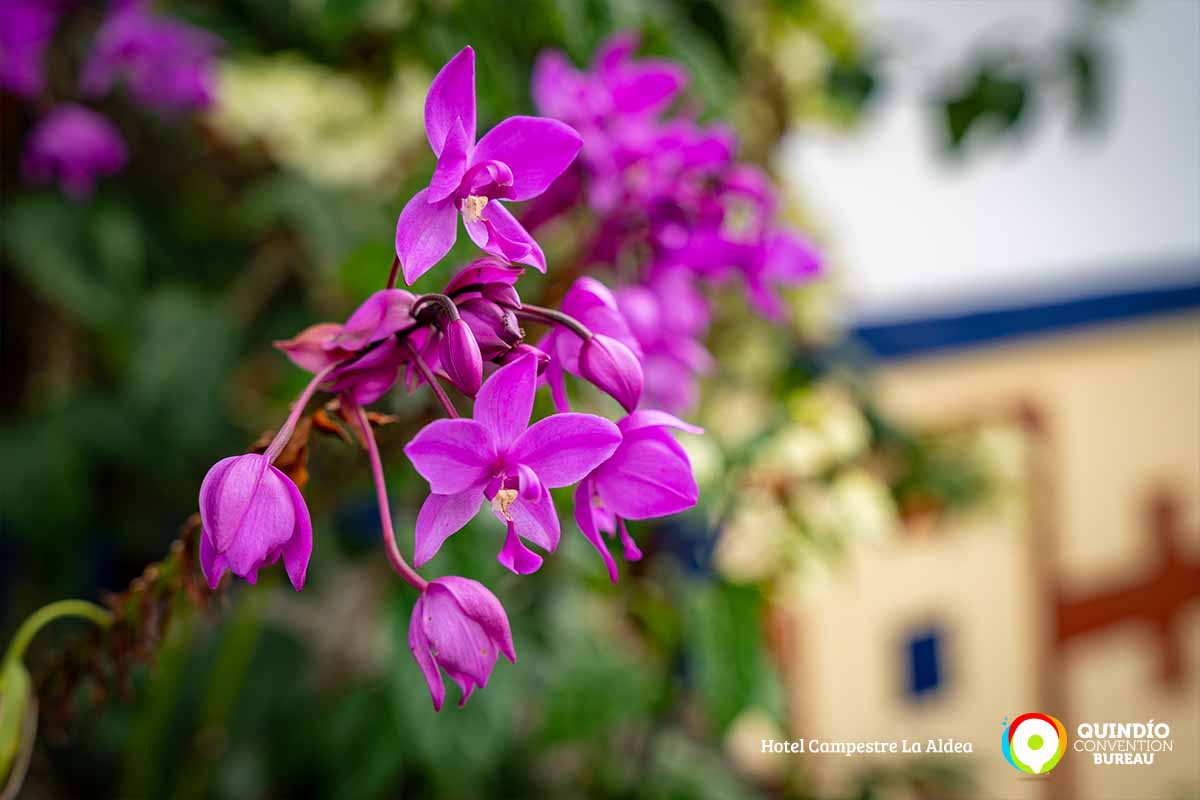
1034	743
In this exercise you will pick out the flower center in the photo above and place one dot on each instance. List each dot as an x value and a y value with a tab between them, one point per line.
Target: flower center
503	501
472	207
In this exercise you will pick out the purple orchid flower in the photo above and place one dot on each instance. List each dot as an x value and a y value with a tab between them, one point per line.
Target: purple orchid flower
516	160
166	64
459	626
252	514
362	377
497	456
74	146
648	475
614	364
26	27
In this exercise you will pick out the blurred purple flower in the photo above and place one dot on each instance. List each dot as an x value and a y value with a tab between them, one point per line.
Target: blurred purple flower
516	160
458	626
594	305
648	475
667	317
167	65
498	456
26	27
252	514
73	146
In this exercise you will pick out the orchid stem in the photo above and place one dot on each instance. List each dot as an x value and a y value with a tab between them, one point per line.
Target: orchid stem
431	379
395	272
285	432
385	513
550	316
48	613
445	303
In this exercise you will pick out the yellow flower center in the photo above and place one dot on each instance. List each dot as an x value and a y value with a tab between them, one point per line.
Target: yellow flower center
472	207
503	500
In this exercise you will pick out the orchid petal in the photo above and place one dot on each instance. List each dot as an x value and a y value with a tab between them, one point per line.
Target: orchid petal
536	521
651	418
563	448
425	232
505	400
452	454
586	520
648	476
451	165
498	232
451	97
297	550
536	149
478	603
419	646
515	556
440	517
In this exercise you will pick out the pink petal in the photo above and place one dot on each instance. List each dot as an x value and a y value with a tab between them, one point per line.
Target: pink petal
451	97
648	476
553	79
505	400
586	520
212	563
648	86
499	233
379	316
425	232
631	551
563	448
536	521
478	603
441	516
536	149
459	644
515	556
307	349
650	418
419	646
298	549
452	454
452	164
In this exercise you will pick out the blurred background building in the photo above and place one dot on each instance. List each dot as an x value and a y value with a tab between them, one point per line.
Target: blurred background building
1057	306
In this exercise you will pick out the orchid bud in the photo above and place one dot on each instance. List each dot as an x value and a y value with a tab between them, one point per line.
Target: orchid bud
496	329
613	367
461	358
252	514
458	626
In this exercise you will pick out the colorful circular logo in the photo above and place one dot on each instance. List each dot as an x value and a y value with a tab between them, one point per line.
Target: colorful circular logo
1033	743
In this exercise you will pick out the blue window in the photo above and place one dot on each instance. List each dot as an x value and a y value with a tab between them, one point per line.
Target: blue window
924	652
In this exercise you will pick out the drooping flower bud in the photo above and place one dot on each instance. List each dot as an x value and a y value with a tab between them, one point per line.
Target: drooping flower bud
496	328
613	367
252	514
458	626
461	358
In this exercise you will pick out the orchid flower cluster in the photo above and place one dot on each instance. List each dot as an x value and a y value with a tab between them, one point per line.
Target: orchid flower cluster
673	209
165	65
469	337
